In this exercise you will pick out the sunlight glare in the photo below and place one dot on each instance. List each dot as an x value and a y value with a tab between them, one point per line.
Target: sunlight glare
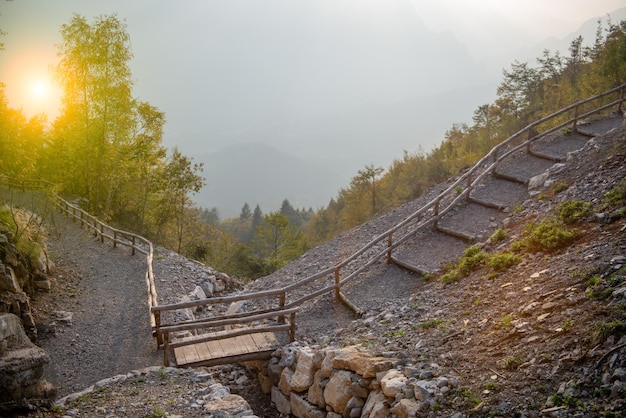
40	89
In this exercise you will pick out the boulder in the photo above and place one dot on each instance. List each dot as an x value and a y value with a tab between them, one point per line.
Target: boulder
362	363
280	401
307	363
21	367
393	383
301	408
337	392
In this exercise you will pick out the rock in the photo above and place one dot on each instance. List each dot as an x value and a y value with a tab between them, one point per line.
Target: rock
316	391
393	383
198	294
307	363
337	392
285	381
208	288
43	285
406	408
351	358
538	181
8	281
280	401
376	406
21	367
63	317
303	409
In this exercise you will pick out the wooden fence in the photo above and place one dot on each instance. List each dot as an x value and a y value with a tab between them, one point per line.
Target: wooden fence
99	229
380	247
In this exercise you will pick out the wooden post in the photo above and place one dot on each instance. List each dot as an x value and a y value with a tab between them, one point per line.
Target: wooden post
435	224
114	239
281	304
574	126
621	98
337	296
530	135
166	349
469	184
389	243
132	248
292	329
101	232
157	324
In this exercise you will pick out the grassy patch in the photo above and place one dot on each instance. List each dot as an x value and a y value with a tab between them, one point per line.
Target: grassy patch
604	330
547	235
573	211
431	323
503	261
511	362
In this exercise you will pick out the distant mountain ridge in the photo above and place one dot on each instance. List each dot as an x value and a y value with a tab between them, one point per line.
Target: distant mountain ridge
257	173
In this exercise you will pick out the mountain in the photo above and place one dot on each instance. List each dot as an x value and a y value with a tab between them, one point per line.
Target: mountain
257	173
308	161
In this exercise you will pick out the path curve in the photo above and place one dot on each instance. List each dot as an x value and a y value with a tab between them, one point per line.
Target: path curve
106	290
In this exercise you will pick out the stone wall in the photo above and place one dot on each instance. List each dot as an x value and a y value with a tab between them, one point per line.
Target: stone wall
350	382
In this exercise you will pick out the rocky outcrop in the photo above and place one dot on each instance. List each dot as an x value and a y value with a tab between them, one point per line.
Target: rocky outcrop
21	368
21	362
351	382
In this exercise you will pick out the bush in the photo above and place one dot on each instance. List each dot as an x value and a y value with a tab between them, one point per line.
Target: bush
503	261
616	197
573	211
473	258
498	236
548	235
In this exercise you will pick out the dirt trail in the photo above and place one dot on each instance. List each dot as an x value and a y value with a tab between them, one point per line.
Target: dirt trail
105	289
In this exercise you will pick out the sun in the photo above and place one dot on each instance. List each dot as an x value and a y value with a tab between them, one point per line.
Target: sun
40	89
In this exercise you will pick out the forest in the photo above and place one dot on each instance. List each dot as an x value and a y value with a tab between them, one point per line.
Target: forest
105	151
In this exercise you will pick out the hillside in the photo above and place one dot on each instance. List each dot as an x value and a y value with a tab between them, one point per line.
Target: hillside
546	335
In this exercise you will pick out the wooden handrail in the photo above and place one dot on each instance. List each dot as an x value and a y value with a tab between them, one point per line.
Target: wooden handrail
427	215
438	205
99	229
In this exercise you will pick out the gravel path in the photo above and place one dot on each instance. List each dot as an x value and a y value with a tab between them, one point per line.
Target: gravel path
105	290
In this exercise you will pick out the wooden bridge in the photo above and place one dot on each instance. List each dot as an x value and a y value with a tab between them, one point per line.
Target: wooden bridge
267	320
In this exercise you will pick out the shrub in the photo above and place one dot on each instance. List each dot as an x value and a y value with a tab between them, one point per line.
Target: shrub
473	258
606	329
548	235
498	236
503	261
573	211
616	197
511	362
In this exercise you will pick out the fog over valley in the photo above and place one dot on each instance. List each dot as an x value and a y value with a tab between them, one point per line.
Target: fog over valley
286	99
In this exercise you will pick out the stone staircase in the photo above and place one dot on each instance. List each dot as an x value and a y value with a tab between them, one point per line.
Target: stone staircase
492	201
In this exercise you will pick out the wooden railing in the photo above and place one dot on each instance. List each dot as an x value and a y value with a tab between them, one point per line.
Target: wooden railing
383	245
272	302
99	229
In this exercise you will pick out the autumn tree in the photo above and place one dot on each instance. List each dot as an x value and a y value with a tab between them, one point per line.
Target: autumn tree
276	241
180	180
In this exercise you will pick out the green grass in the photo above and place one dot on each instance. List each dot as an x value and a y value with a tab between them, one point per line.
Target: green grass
503	261
573	211
548	235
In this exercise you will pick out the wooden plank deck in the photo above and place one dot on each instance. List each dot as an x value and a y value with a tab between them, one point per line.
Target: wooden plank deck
228	350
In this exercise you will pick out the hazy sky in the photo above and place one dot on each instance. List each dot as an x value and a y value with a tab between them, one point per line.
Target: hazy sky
297	72
163	30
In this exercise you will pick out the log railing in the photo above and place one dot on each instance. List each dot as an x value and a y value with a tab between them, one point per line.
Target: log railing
99	229
331	280
382	246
